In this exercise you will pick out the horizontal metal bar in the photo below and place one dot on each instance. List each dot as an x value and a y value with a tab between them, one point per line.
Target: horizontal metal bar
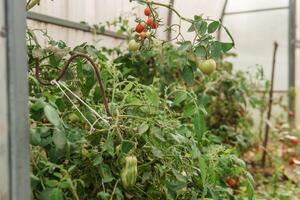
274	91
256	10
69	24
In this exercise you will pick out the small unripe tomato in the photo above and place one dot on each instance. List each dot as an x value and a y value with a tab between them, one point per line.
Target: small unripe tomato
143	35
73	118
139	28
207	66
148	34
231	182
147	11
133	45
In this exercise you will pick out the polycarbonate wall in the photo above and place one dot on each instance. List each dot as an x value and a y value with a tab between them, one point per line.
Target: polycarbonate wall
297	75
254	32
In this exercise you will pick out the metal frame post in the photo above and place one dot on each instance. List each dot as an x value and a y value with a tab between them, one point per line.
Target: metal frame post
292	48
17	100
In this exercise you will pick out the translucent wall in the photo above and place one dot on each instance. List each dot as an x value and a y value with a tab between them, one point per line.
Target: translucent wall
297	75
255	33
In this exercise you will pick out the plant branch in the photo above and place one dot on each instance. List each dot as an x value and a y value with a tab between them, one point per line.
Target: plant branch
64	69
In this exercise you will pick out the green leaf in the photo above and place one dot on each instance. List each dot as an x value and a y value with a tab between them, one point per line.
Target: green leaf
200	51
192	28
188	75
52	115
152	95
143	128
126	146
184	46
35	137
189	110
59	140
213	26
250	190
180	97
226	46
51	194
216	50
203	171
203	27
97	94
106	173
199	125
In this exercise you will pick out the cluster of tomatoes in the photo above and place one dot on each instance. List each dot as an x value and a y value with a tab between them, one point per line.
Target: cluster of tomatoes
143	28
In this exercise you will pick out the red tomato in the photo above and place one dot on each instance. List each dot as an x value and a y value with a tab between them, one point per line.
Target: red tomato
231	182
150	21
139	28
294	161
147	11
292	139
154	25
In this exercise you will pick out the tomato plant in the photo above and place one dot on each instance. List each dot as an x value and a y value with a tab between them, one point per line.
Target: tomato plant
141	126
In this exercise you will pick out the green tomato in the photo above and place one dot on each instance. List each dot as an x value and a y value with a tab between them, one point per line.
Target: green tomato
133	45
207	66
73	118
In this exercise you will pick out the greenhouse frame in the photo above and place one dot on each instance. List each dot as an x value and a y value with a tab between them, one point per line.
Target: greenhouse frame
254	24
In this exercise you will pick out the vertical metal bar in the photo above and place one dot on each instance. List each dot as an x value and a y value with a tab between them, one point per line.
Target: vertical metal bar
292	49
221	18
17	87
4	166
169	22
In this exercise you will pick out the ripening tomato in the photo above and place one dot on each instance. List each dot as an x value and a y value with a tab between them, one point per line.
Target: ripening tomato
142	35
291	114
231	182
147	11
139	28
133	45
207	66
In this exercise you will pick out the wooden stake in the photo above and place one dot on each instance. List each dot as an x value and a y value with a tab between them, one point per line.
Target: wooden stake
266	139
